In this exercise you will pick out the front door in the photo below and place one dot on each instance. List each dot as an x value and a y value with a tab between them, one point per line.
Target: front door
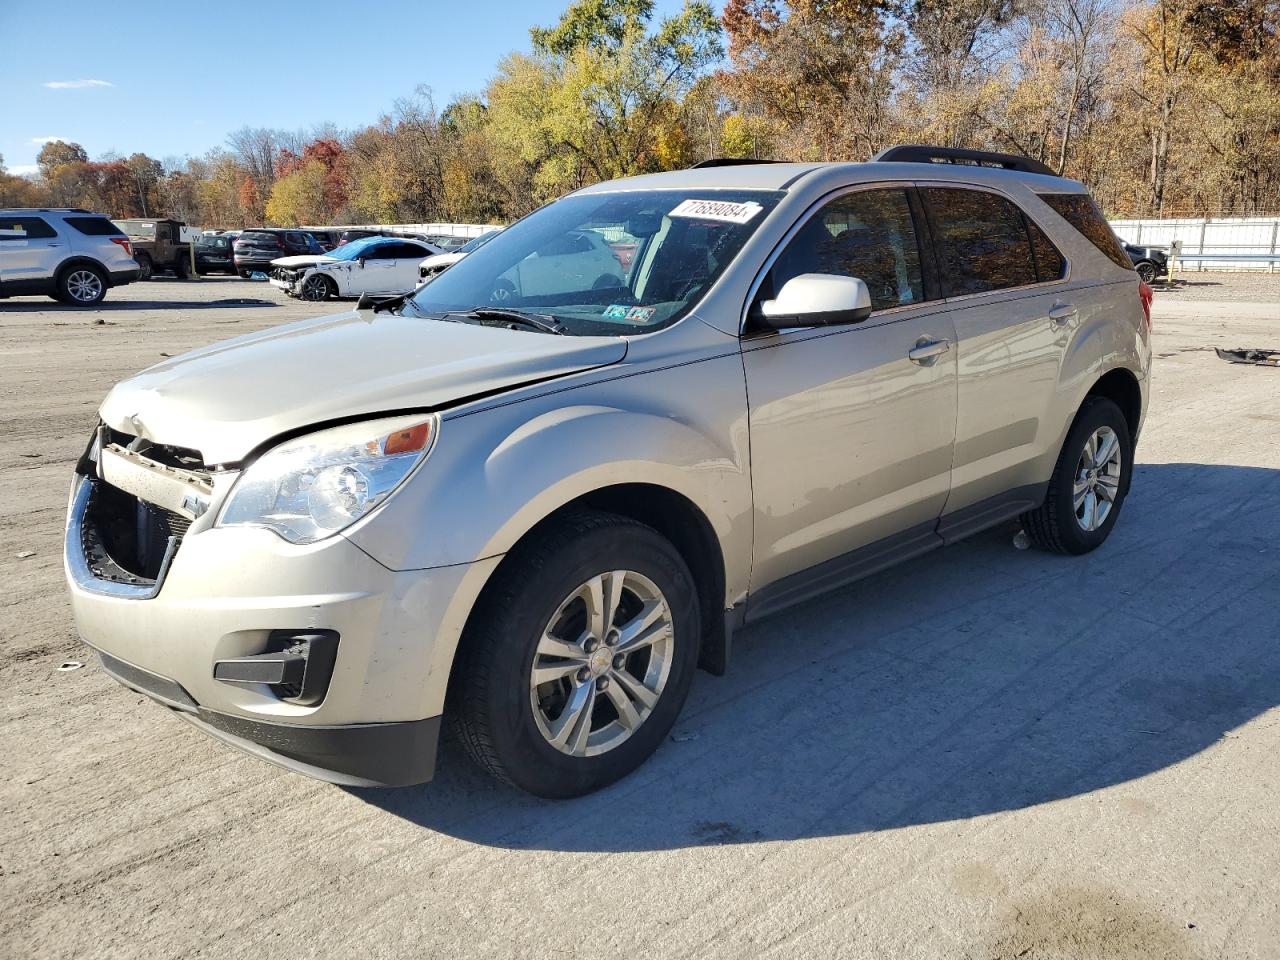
30	249
852	426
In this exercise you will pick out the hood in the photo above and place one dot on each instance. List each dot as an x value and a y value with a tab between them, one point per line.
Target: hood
442	259
303	260
227	399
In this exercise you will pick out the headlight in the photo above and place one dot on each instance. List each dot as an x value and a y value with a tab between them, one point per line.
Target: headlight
311	487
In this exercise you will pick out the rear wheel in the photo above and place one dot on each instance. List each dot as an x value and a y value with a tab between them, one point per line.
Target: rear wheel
1146	271
1089	482
144	266
181	269
81	286
244	274
579	659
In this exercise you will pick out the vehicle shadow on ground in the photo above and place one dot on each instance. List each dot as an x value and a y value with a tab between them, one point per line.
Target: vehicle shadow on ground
979	679
110	306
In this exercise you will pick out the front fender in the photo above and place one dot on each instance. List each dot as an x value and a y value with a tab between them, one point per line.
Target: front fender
494	474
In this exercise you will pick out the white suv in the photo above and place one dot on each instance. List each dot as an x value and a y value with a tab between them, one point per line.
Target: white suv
66	253
534	501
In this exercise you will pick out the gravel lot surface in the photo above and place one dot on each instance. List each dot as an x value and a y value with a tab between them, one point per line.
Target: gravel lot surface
989	753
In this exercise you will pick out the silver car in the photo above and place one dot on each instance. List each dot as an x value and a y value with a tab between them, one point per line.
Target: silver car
536	513
66	253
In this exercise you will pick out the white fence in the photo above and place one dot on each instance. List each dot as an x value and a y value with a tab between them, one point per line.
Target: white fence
1255	239
431	229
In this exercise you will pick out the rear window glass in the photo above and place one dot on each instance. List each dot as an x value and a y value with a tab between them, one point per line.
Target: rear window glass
25	228
258	236
213	243
1079	210
982	240
95	226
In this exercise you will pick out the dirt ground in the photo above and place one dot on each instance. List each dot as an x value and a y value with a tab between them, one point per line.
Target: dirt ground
990	753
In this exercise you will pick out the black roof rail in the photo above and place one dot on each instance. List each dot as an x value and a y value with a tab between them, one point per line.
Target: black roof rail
921	153
729	162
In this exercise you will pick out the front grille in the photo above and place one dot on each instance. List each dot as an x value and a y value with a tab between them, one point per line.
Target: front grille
125	540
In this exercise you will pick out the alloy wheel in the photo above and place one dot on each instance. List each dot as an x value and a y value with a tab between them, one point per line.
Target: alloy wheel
602	663
1097	479
85	286
315	288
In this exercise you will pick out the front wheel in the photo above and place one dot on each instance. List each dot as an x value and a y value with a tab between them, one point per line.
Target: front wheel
580	657
1089	482
1146	272
316	288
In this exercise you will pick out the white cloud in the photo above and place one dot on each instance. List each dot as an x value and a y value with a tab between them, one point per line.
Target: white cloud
23	170
41	141
76	84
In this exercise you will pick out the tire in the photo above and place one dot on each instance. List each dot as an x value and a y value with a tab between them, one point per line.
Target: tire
145	267
81	286
1063	524
317	288
1146	272
508	724
244	274
181	269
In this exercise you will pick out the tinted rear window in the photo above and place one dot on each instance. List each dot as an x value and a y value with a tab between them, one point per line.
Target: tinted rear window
213	243
1079	210
25	228
258	236
982	241
95	226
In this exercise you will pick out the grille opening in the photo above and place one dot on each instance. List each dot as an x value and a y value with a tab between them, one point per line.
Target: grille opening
126	538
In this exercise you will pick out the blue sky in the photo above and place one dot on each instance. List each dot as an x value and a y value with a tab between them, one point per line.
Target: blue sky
90	72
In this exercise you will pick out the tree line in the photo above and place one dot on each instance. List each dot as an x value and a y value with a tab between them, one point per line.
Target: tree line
1162	107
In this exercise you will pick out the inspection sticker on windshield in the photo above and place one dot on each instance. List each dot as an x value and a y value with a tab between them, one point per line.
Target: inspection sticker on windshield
717	210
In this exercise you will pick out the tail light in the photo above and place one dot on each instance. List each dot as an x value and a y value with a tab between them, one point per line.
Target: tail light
1147	294
124	242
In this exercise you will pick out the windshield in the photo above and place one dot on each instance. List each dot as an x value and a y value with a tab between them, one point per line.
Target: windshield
606	264
135	229
352	250
471	246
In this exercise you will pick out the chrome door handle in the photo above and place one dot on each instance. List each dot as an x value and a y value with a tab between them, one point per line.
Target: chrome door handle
1062	313
926	350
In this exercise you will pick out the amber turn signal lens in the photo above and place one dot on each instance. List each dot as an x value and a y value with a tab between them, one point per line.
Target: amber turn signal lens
408	441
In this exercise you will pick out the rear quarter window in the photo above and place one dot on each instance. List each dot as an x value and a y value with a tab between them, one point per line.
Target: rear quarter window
1079	210
94	226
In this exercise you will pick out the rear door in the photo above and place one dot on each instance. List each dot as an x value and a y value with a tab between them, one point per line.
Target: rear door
30	249
403	273
851	426
1003	278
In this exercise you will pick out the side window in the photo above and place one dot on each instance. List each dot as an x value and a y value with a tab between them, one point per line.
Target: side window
403	251
25	228
1079	210
982	240
94	226
1050	264
296	240
868	234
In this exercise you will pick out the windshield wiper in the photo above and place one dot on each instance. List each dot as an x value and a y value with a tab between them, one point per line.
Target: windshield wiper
535	321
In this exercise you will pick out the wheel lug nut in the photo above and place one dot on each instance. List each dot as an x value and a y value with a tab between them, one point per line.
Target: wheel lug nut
591	644
584	674
602	683
619	661
611	640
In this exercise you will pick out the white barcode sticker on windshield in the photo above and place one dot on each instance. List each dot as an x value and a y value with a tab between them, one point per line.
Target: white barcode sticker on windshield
717	210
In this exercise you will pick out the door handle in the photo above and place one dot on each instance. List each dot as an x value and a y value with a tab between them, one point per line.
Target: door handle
926	350
1063	313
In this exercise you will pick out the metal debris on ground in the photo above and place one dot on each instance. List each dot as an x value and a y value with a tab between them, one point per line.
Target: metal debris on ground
1262	357
68	665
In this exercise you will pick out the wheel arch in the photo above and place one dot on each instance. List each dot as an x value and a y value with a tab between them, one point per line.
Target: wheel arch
1120	386
80	260
674	516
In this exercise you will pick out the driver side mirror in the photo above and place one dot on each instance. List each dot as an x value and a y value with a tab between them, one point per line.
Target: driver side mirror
815	299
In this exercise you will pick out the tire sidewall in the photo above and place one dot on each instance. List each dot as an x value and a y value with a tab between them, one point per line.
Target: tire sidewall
1100	412
531	762
64	290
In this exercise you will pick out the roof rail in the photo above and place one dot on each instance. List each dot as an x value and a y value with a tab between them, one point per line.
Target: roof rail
921	153
729	162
